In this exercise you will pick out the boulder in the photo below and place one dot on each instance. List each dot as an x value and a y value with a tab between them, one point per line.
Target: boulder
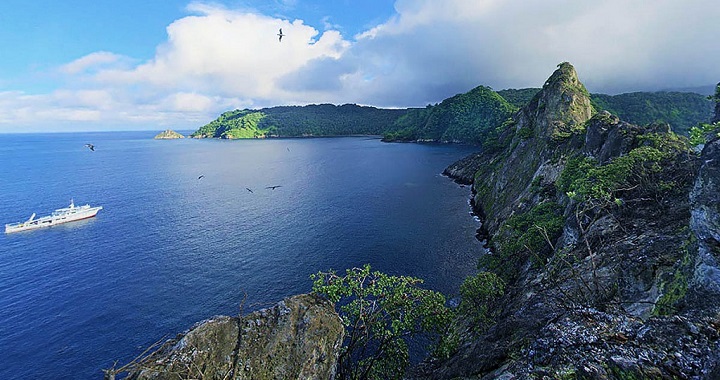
298	338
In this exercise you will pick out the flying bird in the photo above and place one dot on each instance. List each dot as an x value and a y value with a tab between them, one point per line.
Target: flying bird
248	189
91	146
273	187
201	176
280	35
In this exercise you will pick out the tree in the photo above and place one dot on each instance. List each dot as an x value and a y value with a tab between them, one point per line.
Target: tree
479	296
380	312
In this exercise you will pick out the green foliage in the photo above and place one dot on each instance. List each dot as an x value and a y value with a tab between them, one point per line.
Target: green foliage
584	179
525	132
699	134
525	235
492	141
312	120
234	125
467	118
716	97
479	295
380	312
681	110
566	132
405	128
519	98
674	291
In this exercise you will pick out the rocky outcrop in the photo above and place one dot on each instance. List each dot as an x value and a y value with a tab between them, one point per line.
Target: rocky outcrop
539	134
299	338
168	134
716	98
627	288
705	220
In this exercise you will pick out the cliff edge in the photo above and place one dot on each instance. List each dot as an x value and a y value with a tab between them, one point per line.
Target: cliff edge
607	236
298	338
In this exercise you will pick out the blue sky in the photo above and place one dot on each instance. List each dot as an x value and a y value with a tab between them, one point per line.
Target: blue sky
151	64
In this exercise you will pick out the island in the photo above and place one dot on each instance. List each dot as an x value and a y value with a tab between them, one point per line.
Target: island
168	134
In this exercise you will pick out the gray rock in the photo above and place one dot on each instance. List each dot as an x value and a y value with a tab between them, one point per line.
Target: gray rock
705	218
717	104
299	338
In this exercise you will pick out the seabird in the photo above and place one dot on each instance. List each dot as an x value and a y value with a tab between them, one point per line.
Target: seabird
273	187
91	146
201	176
248	189
280	35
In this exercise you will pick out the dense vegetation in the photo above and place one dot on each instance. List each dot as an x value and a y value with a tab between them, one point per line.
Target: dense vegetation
462	118
472	117
681	110
381	313
519	97
312	120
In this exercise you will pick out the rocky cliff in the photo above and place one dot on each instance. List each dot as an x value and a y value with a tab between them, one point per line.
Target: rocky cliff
607	235
299	338
716	98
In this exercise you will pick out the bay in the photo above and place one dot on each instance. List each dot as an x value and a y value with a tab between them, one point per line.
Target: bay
170	249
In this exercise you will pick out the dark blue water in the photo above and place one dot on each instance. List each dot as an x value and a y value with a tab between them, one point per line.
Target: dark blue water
169	249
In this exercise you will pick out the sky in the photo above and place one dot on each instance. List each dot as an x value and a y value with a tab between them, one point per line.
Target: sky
99	65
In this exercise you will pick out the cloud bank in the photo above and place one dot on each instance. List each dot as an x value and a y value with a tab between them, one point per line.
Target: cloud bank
217	58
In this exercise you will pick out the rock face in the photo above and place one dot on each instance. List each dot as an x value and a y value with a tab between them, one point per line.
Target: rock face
717	104
629	286
168	134
705	220
299	338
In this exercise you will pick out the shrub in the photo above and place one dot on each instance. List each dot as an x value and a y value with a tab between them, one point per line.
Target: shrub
525	235
479	294
380	312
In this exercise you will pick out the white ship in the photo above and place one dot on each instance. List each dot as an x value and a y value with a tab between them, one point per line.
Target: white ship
59	216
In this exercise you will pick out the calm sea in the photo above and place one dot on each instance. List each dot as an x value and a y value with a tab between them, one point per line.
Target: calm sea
169	249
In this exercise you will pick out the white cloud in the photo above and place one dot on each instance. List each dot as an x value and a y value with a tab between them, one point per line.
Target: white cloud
230	53
93	61
218	58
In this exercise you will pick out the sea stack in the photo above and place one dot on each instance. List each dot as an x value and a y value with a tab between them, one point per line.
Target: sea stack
168	134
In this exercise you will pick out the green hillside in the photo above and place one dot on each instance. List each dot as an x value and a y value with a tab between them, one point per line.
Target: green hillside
681	110
292	121
519	97
470	117
465	118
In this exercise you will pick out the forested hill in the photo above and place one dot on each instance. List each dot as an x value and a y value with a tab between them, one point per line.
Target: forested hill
472	117
293	121
467	118
682	110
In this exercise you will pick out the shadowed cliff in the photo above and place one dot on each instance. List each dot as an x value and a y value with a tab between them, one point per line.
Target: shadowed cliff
589	222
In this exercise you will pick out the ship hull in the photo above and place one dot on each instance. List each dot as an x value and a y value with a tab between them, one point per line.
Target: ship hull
50	221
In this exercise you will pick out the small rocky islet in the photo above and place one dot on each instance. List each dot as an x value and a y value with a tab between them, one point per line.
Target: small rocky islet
168	134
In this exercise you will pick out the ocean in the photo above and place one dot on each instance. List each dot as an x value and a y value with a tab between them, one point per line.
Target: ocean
181	238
